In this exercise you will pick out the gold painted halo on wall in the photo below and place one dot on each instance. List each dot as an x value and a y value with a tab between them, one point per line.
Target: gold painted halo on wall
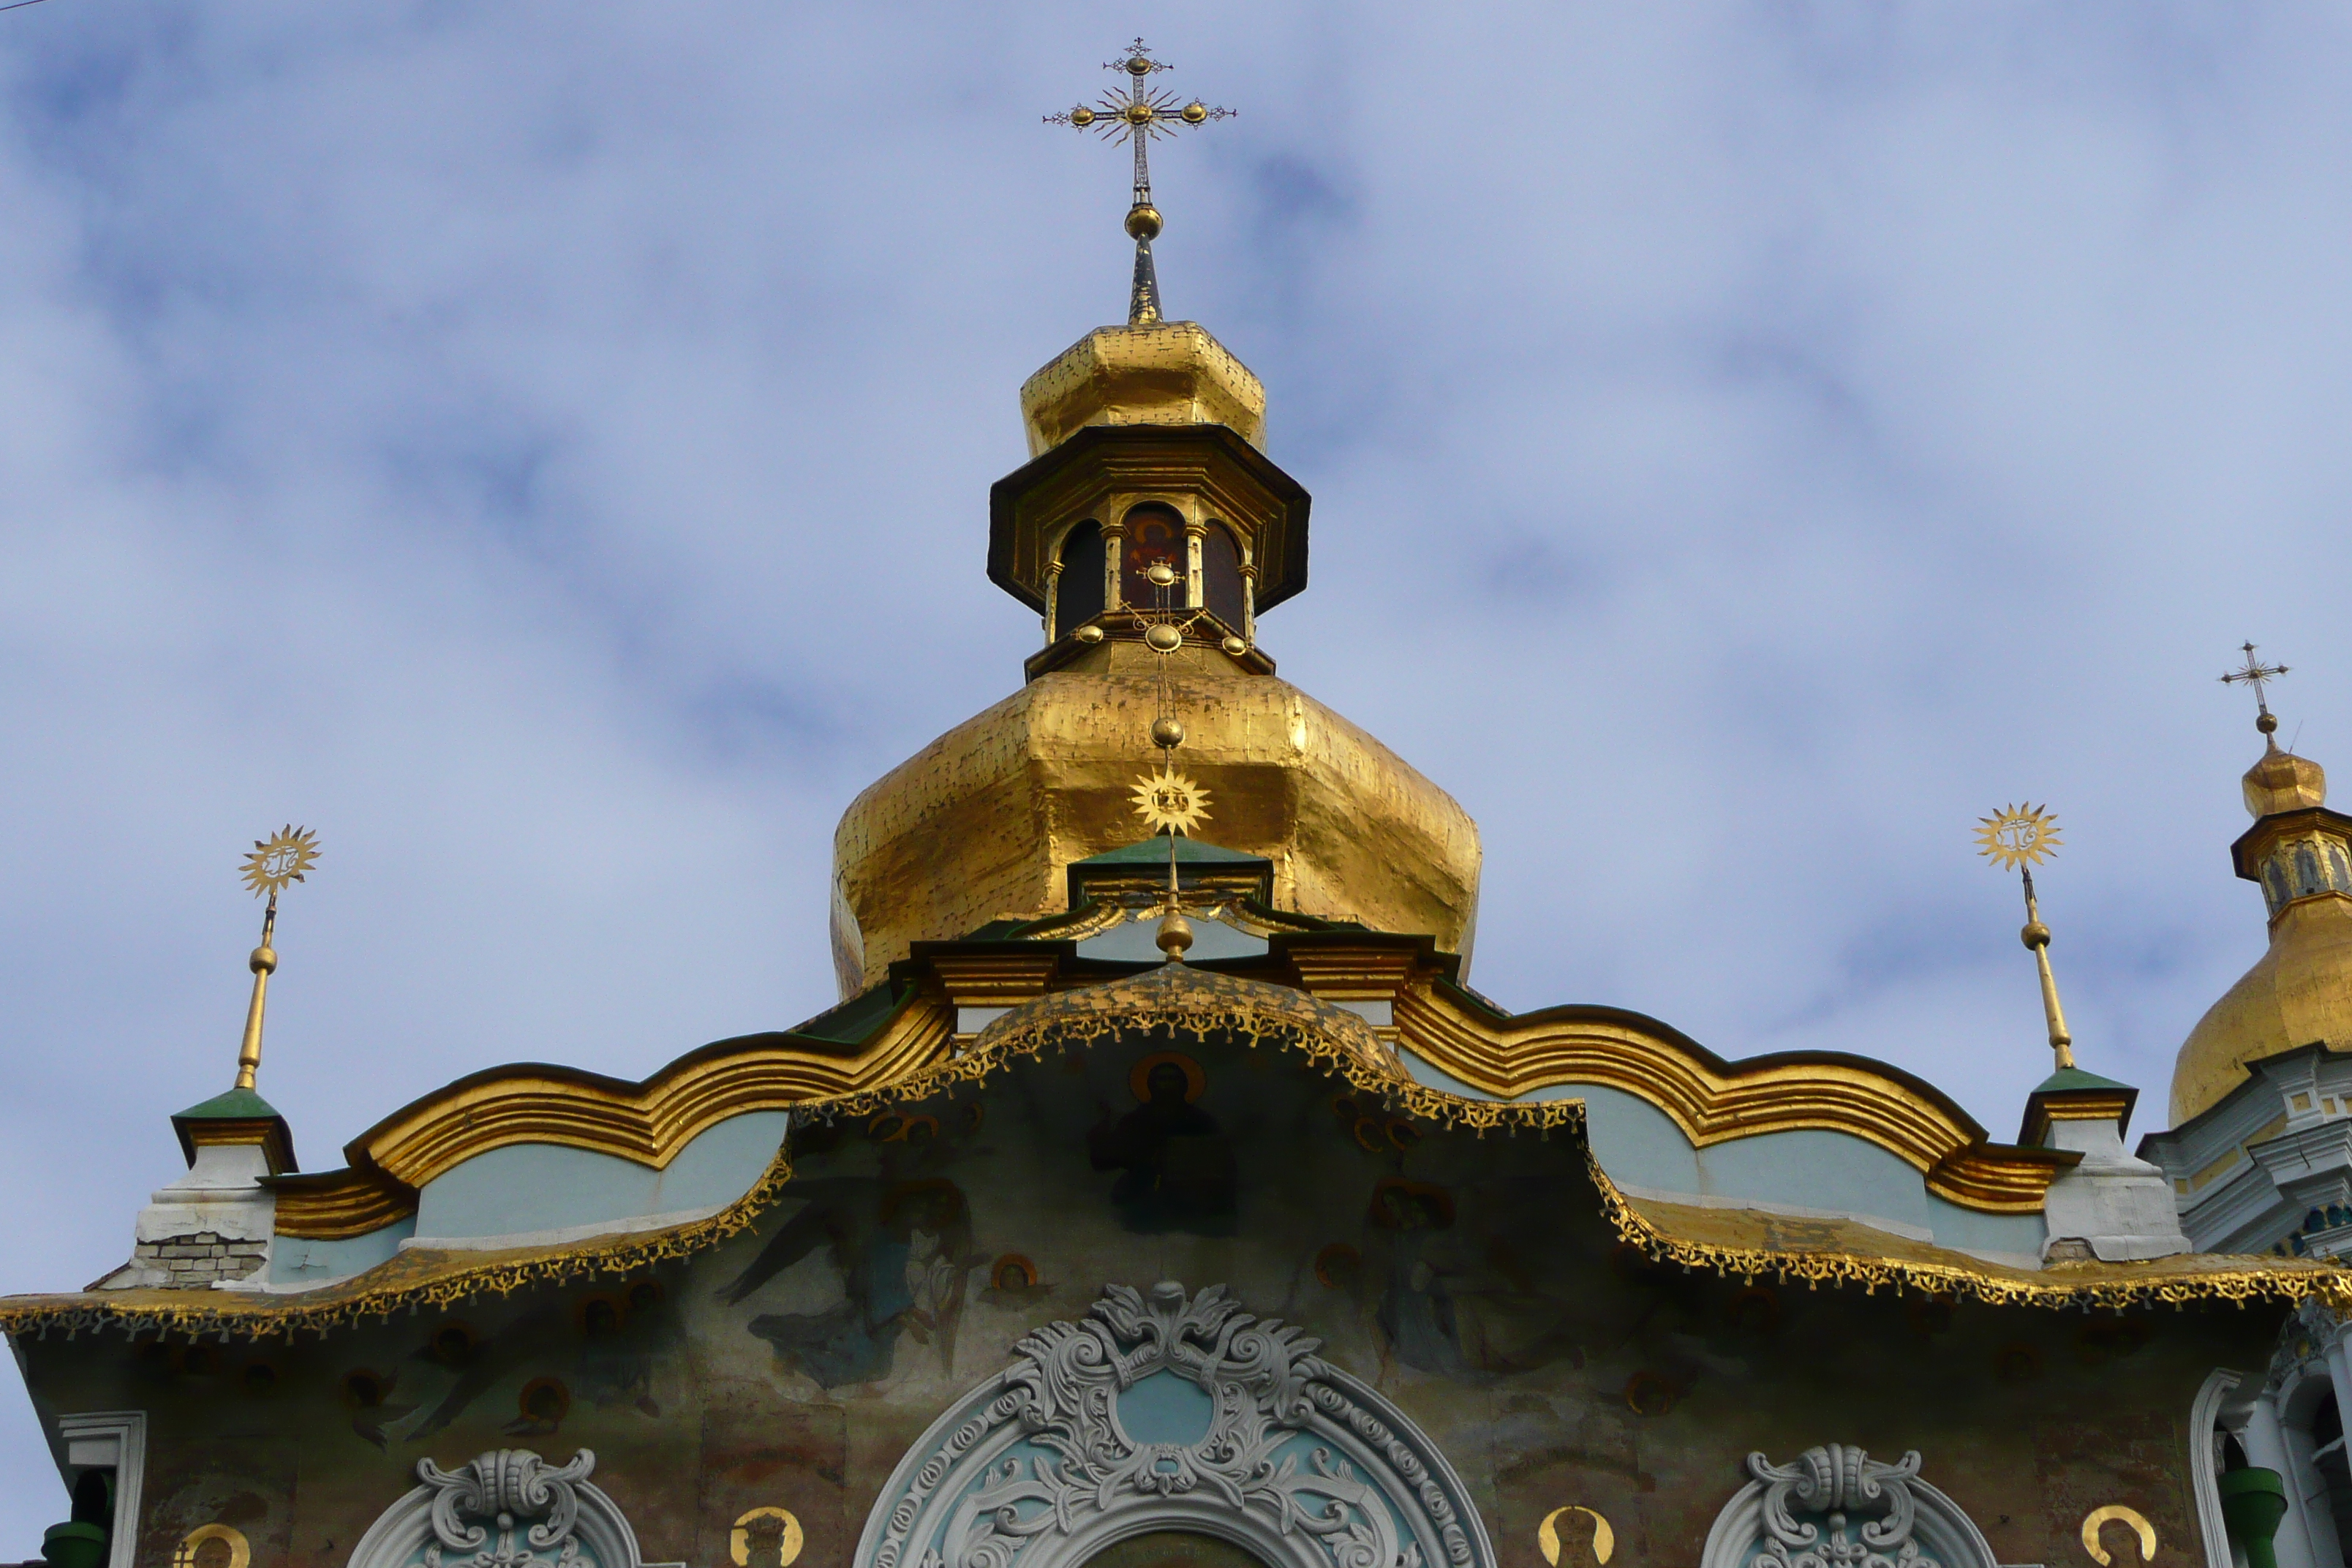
240	1552
1139	1077
1604	1540
788	1544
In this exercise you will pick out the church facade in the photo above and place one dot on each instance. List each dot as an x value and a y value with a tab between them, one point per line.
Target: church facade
1160	1192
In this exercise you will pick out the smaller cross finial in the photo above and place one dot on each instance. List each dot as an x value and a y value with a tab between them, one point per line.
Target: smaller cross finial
2255	674
1134	114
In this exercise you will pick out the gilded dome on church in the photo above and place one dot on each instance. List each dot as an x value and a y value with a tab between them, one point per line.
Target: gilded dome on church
2283	781
984	823
2299	991
1149	529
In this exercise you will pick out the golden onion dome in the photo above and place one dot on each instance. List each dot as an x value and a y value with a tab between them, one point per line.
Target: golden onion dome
2283	781
984	823
2299	991
1148	528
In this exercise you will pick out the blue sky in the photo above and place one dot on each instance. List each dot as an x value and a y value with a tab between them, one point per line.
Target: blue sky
545	448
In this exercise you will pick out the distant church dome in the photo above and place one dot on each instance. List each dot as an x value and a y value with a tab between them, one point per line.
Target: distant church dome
2300	990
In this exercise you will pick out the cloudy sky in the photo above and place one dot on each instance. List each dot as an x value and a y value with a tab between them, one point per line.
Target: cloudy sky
544	447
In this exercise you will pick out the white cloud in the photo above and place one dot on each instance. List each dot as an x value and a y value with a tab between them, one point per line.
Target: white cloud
545	448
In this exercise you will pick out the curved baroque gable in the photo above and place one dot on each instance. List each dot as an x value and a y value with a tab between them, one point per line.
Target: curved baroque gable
1836	1507
1164	1412
506	1508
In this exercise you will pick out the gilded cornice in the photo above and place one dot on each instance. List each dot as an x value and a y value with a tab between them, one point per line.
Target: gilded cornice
646	1122
1751	1245
1255	1013
1712	1101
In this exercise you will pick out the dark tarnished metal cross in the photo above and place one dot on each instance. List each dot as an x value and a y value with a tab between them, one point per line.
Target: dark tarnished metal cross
2255	675
1135	114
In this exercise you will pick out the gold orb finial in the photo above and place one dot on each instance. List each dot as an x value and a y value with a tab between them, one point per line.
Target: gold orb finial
1174	937
1143	222
1161	637
1167	733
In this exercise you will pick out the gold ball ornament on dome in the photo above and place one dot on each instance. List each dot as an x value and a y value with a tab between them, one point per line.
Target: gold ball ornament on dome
1161	637
2018	836
1160	574
1235	646
1174	936
1089	634
1138	113
1167	733
1082	117
1138	65
1143	222
1195	113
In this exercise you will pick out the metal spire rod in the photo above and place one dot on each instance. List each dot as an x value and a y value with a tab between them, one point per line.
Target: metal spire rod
2022	838
284	857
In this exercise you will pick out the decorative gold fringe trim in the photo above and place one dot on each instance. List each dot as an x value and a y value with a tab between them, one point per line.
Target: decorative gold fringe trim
2174	1281
1179	1001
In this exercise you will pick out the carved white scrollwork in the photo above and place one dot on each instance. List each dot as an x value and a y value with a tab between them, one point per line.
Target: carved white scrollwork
1836	1507
1063	1454
509	1509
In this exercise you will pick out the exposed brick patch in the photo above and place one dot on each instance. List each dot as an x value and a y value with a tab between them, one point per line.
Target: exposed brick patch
193	1262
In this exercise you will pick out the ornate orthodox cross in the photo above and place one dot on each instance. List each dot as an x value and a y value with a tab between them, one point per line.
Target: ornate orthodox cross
2255	675
1134	113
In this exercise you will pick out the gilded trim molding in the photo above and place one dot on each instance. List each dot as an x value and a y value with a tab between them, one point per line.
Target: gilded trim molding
646	1122
1815	1258
1712	1101
1182	998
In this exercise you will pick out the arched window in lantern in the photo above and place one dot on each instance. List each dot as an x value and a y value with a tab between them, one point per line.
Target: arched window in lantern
1220	576
1154	536
1078	588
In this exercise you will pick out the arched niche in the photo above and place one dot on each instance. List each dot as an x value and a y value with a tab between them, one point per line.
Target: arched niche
1173	1416
1078	588
1153	535
503	1506
1220	576
1888	1515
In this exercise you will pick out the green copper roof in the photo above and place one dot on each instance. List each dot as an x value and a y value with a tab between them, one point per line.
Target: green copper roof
1153	851
2074	1080
237	1105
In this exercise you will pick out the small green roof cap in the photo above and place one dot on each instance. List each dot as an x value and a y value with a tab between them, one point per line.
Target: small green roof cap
1153	851
2074	1080
240	1116
237	1105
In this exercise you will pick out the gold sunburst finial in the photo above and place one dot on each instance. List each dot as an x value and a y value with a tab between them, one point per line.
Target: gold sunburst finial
2018	839
2018	836
1170	803
285	856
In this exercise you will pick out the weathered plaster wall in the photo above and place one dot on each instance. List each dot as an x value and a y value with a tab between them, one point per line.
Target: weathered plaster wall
527	1188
